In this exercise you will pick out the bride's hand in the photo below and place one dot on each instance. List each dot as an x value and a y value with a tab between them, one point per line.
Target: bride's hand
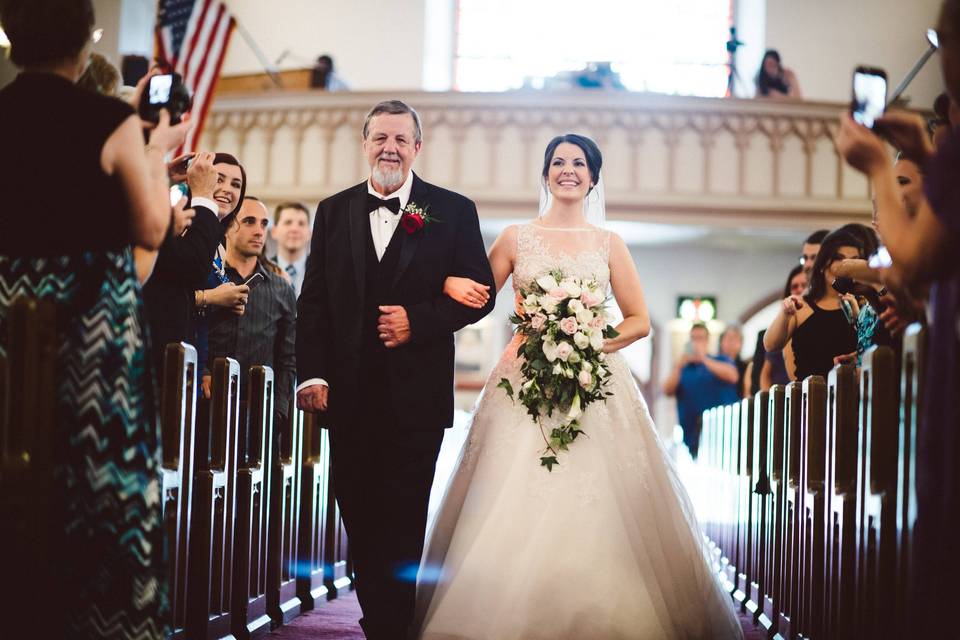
466	291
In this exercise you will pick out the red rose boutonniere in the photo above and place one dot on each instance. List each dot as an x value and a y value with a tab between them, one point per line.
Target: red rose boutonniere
415	218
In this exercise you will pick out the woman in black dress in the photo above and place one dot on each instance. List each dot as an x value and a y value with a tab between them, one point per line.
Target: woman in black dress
79	188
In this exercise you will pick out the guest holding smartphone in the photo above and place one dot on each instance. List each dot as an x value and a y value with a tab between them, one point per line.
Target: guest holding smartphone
814	323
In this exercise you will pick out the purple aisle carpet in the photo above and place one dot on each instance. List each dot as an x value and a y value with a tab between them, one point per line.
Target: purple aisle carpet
337	620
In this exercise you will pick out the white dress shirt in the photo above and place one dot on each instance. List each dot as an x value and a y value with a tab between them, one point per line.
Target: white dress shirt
299	269
383	224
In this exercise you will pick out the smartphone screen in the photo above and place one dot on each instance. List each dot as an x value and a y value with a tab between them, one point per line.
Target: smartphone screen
880	260
869	95
177	192
159	88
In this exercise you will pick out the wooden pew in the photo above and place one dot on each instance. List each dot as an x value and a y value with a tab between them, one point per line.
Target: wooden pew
314	504
794	506
877	483
777	531
816	506
283	603
27	501
761	503
844	500
744	470
710	456
251	543
729	424
911	393
178	408
211	554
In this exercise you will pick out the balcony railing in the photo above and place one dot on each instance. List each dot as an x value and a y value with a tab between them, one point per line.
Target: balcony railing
666	158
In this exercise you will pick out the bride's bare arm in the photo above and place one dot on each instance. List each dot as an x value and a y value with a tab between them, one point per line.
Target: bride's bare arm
503	255
625	282
473	294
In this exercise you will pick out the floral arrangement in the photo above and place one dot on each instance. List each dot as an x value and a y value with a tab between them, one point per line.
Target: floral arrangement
564	323
415	217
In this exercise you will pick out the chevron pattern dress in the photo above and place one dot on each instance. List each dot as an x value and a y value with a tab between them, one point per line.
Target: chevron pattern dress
106	447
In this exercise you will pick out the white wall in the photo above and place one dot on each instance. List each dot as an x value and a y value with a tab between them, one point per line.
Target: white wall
823	40
374	44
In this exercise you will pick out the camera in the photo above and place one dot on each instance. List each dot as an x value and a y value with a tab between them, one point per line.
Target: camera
165	91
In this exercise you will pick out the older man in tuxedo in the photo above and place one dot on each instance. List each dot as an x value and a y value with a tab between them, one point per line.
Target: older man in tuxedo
375	352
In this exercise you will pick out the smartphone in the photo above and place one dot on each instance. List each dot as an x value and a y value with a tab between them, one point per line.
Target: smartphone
160	88
869	95
254	280
177	192
881	259
165	91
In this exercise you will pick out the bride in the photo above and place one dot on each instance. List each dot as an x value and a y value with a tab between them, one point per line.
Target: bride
605	545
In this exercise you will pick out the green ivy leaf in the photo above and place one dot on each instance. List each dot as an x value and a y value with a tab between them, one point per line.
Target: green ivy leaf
548	462
506	386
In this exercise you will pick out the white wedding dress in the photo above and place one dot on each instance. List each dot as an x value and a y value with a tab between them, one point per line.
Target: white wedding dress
605	546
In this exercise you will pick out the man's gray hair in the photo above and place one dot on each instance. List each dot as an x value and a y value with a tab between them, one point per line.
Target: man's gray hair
394	107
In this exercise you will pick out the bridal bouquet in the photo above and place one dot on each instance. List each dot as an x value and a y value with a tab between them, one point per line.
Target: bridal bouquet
564	322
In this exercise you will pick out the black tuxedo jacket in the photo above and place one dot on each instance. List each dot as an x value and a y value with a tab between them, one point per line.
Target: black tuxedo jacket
331	306
183	266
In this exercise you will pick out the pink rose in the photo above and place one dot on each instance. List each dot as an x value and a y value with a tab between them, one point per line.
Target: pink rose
598	323
537	321
558	293
589	299
568	326
564	349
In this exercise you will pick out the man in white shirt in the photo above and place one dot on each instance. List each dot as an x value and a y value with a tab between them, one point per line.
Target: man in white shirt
375	353
291	232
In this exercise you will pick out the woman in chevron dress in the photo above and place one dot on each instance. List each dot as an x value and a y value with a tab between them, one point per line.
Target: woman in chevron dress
78	189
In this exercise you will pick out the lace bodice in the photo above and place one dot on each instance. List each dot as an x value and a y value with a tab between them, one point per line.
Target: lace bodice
584	253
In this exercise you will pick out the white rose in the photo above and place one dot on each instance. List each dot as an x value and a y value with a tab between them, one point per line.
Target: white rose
549	303
575	306
584	316
571	287
574	358
596	340
581	340
585	379
586	366
547	282
550	350
564	349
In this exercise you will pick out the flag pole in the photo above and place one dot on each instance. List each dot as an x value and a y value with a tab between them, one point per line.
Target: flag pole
257	51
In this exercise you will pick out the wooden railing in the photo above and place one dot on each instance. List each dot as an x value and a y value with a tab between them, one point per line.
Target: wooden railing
817	488
666	157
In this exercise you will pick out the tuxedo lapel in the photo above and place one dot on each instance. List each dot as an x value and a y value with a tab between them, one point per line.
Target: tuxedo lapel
410	241
359	235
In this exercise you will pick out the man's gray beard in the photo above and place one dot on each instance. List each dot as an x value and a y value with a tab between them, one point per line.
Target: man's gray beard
387	179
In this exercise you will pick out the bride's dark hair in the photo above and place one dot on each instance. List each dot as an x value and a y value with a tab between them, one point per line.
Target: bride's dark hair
588	146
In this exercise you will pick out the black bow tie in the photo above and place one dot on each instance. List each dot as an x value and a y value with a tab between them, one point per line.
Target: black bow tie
374	203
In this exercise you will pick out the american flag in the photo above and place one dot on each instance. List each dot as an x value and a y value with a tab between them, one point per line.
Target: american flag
192	37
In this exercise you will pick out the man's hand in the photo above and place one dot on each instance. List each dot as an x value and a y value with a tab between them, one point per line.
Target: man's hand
182	217
202	177
394	326
313	398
